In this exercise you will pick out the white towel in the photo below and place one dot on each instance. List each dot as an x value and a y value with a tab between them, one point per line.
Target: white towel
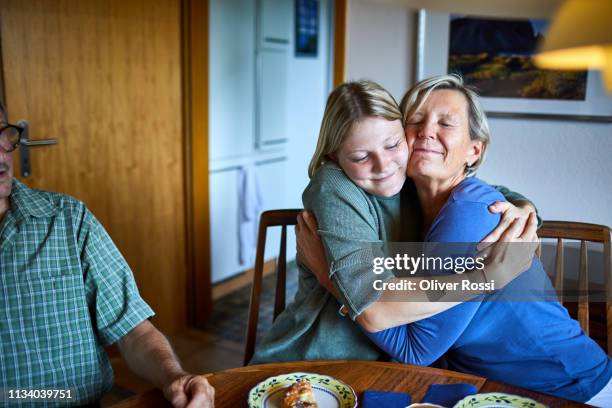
250	206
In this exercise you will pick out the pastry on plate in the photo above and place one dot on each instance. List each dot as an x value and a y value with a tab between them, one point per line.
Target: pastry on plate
300	395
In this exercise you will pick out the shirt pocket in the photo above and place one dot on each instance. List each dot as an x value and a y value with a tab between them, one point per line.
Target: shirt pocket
37	257
47	325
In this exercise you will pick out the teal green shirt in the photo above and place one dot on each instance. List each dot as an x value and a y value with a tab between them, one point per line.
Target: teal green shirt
66	293
311	327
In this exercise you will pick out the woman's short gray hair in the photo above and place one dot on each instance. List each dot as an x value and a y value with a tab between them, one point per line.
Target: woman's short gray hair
349	103
478	124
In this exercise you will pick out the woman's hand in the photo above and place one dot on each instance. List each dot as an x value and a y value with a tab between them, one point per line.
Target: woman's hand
310	251
515	216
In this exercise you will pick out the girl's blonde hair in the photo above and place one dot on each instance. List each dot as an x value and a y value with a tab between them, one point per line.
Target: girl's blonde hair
478	125
349	103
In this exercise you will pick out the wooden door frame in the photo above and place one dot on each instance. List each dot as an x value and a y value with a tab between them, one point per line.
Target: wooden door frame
340	34
195	125
2	95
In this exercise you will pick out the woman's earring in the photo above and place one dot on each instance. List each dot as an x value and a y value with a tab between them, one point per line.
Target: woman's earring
468	168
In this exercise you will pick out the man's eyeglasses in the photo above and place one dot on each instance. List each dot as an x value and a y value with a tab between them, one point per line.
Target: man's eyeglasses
10	135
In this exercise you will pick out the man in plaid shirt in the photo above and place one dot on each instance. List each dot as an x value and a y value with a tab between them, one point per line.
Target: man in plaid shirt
66	293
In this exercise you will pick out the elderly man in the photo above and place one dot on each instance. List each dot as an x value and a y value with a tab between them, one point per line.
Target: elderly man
66	293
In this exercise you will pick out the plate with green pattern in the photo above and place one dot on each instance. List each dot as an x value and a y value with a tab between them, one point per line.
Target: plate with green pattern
329	392
497	400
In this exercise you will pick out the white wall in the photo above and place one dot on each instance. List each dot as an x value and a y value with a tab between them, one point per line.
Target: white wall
380	44
564	167
307	94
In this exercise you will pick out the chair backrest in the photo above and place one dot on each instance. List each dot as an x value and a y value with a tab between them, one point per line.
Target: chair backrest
272	218
577	231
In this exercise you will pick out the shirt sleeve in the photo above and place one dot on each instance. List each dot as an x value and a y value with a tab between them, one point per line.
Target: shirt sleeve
424	341
350	234
114	302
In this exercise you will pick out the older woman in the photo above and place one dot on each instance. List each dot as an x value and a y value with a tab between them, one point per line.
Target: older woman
358	193
531	342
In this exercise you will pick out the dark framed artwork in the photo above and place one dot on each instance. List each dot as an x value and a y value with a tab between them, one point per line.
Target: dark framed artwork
495	56
306	28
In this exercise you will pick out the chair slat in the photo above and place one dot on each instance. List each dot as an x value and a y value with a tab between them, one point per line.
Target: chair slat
608	281
583	289
559	270
267	219
584	232
281	274
251	335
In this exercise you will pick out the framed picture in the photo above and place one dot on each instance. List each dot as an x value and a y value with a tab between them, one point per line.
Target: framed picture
495	57
306	28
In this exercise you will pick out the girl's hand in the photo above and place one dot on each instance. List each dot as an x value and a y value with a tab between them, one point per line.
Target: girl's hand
512	254
515	217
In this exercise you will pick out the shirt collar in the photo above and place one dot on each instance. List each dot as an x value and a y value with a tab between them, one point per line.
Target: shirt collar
28	202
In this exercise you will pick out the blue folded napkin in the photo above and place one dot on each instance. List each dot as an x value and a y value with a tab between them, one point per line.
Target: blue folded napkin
385	399
448	395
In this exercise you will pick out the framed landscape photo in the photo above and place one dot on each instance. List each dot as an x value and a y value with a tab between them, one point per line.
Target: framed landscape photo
495	56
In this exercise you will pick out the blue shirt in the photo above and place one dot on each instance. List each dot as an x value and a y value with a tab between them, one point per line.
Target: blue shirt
530	343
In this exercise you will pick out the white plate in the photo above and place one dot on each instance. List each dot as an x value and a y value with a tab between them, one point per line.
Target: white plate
497	400
329	392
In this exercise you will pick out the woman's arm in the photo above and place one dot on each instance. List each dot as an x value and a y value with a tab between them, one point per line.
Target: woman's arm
424	341
386	312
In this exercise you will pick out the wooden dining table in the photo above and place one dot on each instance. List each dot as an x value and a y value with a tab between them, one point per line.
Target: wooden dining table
232	386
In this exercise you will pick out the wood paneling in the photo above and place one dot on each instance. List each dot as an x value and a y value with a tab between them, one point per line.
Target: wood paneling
195	62
340	35
104	77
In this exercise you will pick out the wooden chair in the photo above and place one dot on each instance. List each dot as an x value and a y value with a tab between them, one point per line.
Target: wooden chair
562	230
270	218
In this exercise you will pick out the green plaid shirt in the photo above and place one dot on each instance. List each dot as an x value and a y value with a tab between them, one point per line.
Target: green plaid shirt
66	292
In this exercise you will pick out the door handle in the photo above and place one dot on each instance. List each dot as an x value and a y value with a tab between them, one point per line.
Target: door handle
40	142
25	144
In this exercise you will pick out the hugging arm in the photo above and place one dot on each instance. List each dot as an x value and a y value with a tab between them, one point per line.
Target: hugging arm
350	235
424	341
516	210
386	312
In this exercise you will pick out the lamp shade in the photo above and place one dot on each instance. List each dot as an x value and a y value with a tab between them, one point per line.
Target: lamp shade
580	37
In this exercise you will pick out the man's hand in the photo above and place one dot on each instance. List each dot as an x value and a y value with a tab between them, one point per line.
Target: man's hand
310	251
190	391
149	355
